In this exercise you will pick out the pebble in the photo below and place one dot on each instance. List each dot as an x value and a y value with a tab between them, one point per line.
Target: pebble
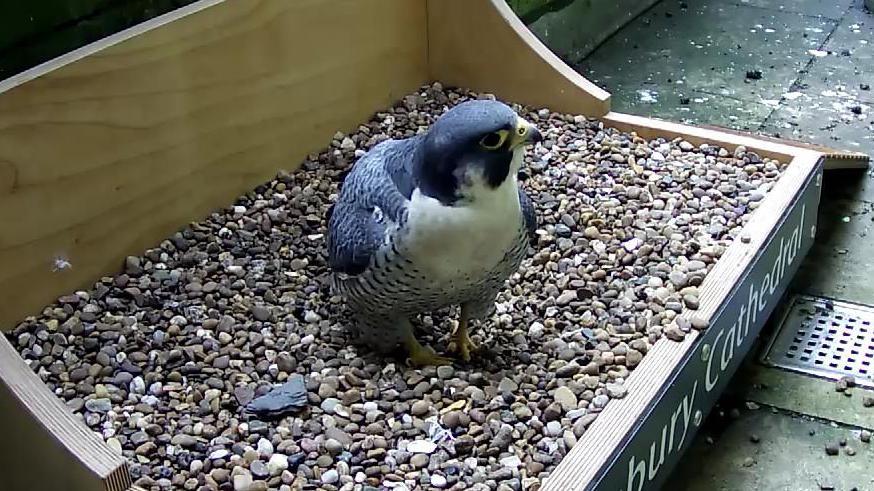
333	446
98	405
674	333
419	461
553	428
600	401
616	391
568	370
234	307
566	297
566	398
420	408
865	436
265	447
832	448
438	481
422	446
330	476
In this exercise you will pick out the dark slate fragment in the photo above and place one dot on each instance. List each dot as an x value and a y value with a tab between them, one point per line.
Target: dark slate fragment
289	397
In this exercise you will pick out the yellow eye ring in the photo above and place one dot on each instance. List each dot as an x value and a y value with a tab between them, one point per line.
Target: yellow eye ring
494	140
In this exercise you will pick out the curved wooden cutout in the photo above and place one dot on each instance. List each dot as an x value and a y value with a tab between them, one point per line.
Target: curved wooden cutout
482	45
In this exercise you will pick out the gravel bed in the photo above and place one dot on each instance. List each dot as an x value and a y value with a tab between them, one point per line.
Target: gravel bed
161	358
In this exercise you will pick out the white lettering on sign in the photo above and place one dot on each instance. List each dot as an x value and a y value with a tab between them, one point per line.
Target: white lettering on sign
757	300
673	433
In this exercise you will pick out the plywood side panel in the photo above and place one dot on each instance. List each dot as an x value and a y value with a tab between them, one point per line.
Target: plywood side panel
40	433
482	45
114	147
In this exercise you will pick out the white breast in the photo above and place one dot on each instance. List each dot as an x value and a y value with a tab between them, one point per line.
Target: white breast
448	243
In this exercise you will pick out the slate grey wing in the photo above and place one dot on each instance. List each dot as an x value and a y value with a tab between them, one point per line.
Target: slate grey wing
373	197
354	235
528	212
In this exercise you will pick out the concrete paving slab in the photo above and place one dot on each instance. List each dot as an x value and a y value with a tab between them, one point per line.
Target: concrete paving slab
841	262
693	107
810	396
832	9
833	102
789	456
709	47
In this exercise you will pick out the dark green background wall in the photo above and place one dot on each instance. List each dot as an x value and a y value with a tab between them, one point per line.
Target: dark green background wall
35	31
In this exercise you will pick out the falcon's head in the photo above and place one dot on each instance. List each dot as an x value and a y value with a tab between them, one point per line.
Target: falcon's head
472	149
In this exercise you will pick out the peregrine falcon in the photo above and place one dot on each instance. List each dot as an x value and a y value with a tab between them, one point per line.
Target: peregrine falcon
432	221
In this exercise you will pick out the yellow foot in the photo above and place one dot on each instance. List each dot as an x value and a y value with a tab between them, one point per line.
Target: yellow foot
420	356
461	342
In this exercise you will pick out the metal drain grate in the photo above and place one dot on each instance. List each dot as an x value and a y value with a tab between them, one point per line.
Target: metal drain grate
826	338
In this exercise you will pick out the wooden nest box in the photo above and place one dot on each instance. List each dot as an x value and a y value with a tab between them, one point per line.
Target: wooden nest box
104	152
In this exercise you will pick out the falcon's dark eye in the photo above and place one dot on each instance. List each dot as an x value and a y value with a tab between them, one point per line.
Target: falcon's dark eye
493	140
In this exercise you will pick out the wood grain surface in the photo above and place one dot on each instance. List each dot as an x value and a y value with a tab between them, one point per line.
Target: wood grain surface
112	148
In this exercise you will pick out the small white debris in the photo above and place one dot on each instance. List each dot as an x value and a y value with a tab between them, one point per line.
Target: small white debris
647	96
60	264
791	96
817	53
421	446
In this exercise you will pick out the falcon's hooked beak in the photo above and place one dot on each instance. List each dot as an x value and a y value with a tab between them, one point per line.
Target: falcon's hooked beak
524	133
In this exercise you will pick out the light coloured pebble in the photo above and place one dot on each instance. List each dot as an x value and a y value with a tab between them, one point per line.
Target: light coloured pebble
421	446
535	330
114	444
512	461
566	398
553	428
277	464
600	401
243	481
330	476
616	391
265	448
438	481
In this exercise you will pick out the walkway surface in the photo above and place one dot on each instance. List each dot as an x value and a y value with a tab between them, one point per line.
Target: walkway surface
798	69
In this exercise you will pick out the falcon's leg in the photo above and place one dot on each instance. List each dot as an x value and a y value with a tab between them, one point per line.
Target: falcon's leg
460	340
418	355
